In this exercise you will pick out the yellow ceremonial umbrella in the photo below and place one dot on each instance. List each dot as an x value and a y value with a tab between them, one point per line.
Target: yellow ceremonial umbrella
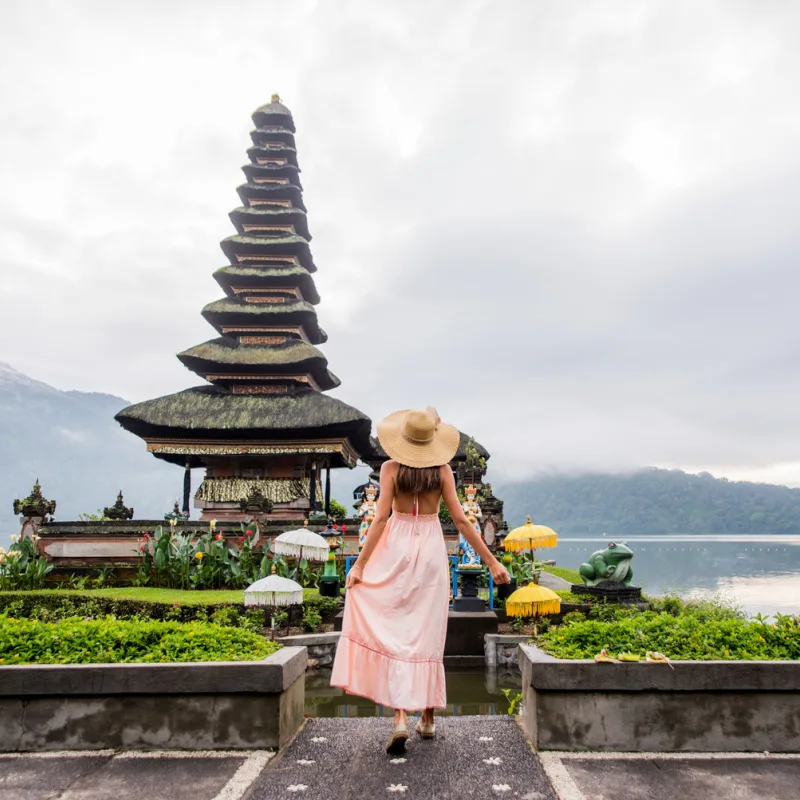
532	600
530	537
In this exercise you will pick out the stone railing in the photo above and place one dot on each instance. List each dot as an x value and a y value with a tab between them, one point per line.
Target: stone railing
707	706
202	706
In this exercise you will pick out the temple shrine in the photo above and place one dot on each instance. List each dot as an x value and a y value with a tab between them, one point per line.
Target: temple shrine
261	425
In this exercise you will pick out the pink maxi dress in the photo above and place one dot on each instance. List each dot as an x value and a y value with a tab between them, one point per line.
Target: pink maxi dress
395	620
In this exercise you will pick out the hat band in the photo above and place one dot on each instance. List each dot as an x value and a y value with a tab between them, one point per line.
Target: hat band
416	441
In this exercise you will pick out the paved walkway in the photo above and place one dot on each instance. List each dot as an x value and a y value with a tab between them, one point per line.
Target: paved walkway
472	757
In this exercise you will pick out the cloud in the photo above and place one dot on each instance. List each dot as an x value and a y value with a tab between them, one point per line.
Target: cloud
569	227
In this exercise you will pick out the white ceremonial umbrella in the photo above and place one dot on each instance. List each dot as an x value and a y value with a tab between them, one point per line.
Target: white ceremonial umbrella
303	543
273	591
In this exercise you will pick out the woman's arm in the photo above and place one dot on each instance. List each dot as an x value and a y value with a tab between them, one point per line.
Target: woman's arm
382	510
450	497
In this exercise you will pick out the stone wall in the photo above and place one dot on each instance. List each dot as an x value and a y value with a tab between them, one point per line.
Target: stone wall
203	706
502	650
321	646
706	706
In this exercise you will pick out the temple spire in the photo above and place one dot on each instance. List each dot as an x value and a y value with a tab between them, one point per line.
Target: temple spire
261	422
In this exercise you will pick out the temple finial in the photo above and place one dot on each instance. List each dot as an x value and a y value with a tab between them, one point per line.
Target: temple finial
276	98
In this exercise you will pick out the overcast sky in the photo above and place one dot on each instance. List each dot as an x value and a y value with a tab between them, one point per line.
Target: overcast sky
572	227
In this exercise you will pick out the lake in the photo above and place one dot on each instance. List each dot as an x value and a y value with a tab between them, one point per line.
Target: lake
758	573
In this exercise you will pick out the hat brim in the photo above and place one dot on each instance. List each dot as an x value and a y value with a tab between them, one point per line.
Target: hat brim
440	450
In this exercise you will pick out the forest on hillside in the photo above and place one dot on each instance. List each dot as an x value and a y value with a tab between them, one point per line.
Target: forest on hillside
651	501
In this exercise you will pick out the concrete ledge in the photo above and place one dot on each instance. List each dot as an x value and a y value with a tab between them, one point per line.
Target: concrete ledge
321	646
501	650
311	639
705	706
274	674
205	706
562	675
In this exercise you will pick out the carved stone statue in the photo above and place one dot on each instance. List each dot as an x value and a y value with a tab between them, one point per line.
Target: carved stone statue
119	511
35	504
612	565
175	514
256	502
367	512
473	511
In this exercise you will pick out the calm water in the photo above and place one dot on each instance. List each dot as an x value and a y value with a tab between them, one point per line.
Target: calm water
760	574
469	691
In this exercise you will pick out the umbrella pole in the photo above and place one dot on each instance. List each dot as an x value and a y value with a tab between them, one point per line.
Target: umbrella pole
272	623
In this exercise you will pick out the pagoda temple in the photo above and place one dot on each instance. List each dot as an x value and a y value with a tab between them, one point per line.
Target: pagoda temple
261	426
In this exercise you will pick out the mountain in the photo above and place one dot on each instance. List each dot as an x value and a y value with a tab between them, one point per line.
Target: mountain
651	501
82	457
71	443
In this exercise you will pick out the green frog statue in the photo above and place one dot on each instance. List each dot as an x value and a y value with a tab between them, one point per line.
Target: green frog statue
612	564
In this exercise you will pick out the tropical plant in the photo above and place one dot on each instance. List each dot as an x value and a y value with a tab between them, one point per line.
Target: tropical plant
23	567
337	510
514	699
98	516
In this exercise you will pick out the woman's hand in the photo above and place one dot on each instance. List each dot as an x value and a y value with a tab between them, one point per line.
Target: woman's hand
354	577
499	572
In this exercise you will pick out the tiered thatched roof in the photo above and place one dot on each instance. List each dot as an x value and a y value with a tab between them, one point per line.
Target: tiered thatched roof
266	371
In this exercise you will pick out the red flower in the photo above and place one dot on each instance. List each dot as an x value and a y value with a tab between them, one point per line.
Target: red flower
336	527
241	538
141	547
147	536
250	533
344	528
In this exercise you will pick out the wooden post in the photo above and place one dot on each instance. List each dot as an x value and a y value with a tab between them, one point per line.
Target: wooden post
328	489
312	491
187	488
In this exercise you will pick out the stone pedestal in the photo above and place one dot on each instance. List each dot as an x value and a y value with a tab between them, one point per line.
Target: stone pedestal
610	592
468	600
504	590
329	587
466	632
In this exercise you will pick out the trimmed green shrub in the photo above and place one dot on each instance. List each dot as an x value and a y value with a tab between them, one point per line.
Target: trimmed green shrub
110	641
700	631
54	605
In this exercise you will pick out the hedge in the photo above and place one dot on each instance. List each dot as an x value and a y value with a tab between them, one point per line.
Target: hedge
50	605
699	631
112	641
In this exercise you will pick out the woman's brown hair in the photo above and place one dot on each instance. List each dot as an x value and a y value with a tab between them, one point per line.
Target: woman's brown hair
418	480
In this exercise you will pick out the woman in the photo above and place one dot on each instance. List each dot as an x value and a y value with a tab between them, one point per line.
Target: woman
395	616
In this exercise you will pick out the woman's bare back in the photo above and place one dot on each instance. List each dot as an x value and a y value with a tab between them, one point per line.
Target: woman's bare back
428	502
403	502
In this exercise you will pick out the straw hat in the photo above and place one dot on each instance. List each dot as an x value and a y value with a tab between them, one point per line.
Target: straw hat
418	438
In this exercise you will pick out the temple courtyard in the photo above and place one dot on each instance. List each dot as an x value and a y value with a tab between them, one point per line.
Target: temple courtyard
472	757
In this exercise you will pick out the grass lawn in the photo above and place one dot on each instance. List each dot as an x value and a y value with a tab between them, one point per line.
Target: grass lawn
570	575
189	597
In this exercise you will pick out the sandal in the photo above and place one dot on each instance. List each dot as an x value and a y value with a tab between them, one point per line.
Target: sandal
426	731
397	741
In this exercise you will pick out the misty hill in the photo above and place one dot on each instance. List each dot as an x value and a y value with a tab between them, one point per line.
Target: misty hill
651	501
70	441
82	457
